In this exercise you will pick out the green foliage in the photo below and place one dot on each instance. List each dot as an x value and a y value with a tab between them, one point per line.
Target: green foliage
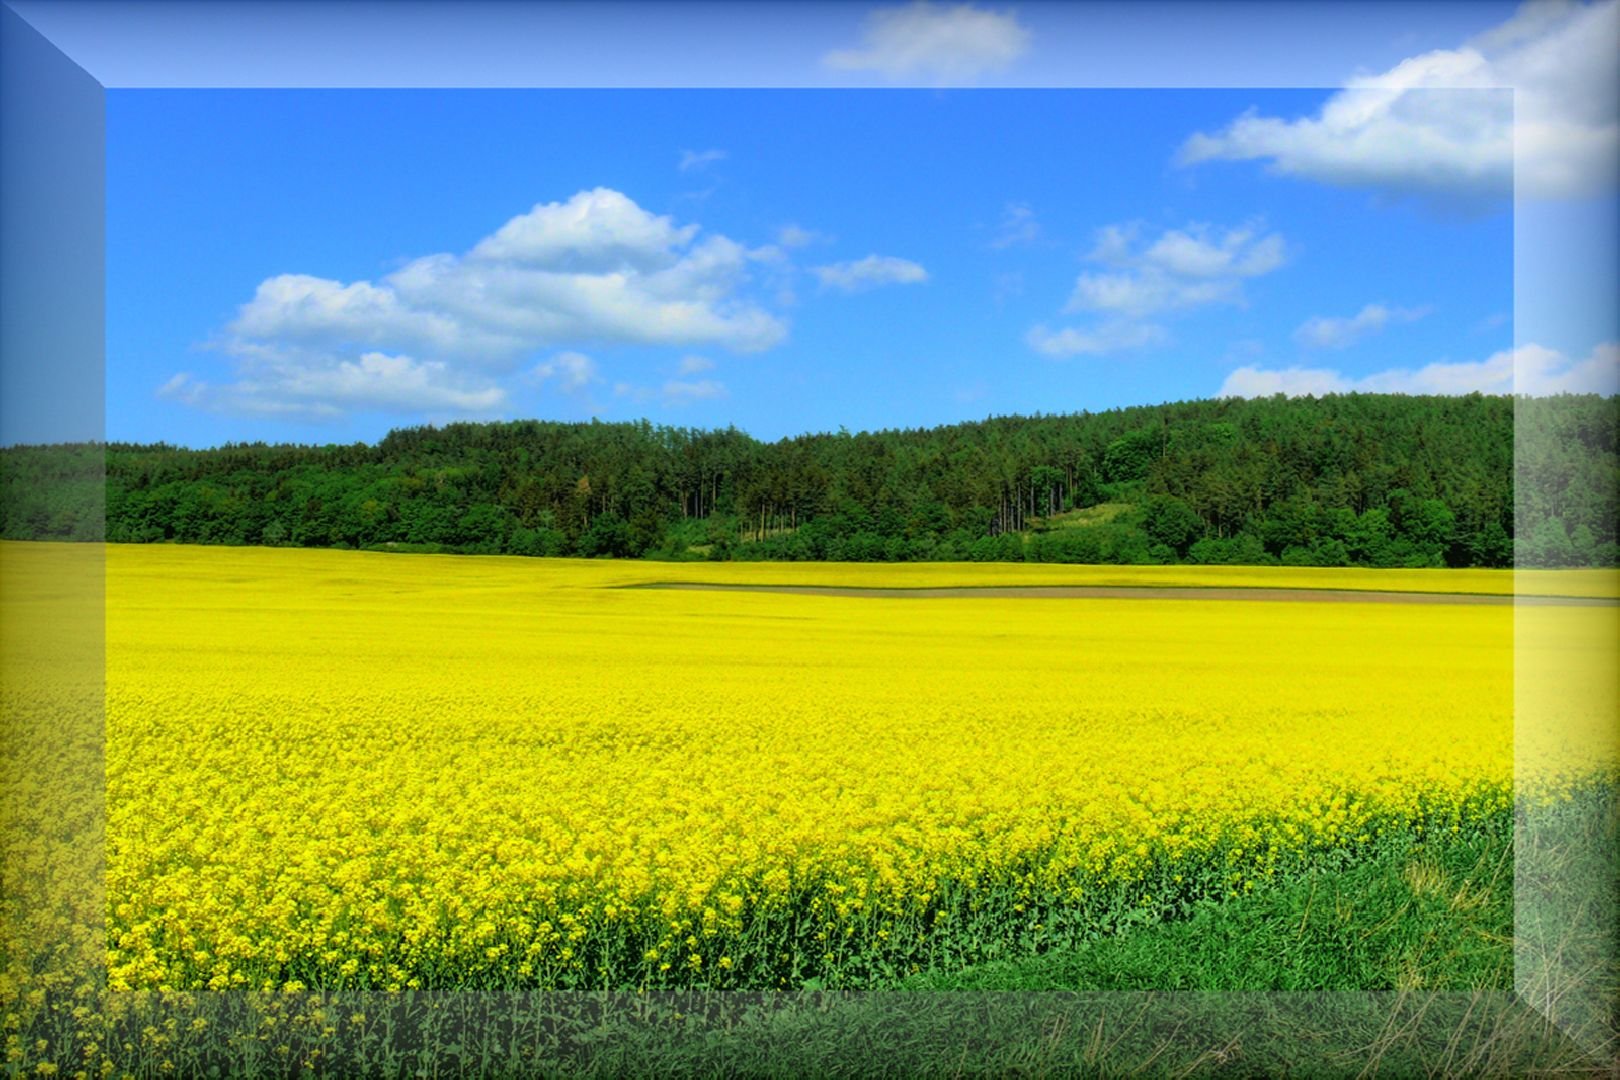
1244	549
1130	456
1433	920
1108	542
1171	522
687	1035
1356	479
1550	544
1420	915
53	493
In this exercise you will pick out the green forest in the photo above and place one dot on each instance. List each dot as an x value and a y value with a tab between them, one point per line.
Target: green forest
1343	480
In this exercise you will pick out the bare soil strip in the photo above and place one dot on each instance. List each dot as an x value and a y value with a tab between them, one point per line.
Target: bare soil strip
1135	592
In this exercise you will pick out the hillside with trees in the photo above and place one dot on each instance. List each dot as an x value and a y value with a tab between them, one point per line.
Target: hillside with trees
1343	480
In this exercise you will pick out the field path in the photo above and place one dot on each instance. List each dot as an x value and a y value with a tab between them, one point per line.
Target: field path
1130	592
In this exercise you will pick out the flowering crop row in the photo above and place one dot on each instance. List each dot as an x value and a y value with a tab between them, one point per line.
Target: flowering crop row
371	771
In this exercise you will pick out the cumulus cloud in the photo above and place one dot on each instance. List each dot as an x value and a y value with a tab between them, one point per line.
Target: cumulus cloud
793	236
1182	268
868	273
596	268
288	385
1201	252
1018	226
1328	332
596	231
1544	86
692	365
572	372
1529	369
1294	381
940	43
1107	338
697	159
680	391
1177	270
1147	291
674	393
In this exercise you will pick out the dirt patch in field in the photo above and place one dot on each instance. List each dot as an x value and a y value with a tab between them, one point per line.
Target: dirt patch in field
1132	592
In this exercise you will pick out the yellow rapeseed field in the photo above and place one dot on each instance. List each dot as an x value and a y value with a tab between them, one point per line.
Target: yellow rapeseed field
368	770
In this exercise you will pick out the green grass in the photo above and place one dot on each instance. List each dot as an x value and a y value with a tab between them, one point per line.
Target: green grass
1567	920
1433	917
1090	515
1399	966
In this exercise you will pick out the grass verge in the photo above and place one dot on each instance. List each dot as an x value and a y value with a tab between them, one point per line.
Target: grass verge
1399	966
1437	916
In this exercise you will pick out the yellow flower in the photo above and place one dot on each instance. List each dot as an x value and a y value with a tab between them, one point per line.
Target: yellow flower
399	770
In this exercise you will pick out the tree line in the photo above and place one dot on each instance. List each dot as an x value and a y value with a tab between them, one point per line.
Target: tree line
1342	480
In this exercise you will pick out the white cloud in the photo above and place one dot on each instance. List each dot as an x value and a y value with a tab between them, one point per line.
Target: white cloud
1107	338
693	365
680	392
769	254
870	272
1114	242
596	268
697	159
1432	123
941	43
1146	291
1182	268
1018	226
1294	381
378	380
286	383
298	309
571	371
1546	371
1200	252
674	393
1529	369
1329	332
181	387
598	231
792	236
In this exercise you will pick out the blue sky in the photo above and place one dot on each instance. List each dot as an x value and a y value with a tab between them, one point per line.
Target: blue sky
323	265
